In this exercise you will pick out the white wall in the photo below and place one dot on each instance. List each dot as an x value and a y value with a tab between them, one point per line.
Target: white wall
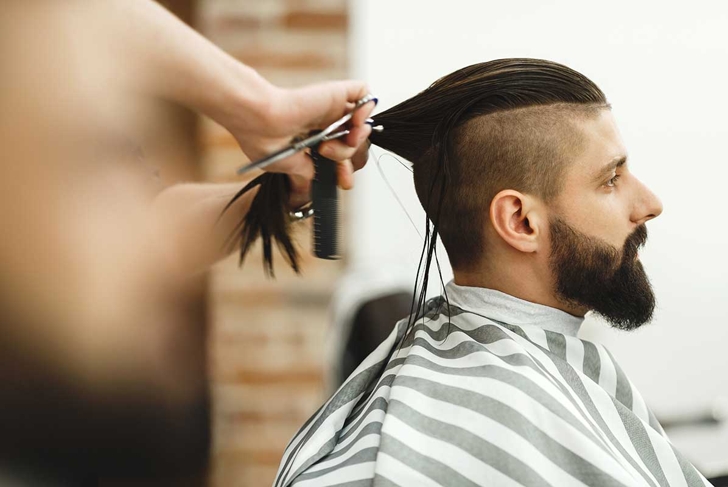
665	71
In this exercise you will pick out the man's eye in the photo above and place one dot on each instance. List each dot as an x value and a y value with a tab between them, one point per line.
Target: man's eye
613	182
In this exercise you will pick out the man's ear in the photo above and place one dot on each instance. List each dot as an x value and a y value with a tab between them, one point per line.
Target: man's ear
517	219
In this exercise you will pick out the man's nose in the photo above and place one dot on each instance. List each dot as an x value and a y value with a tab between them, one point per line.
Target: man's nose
647	204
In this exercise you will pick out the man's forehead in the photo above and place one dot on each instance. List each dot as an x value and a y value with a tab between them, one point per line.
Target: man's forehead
603	148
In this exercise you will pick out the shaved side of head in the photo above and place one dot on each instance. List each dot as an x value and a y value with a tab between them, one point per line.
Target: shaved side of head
524	149
502	124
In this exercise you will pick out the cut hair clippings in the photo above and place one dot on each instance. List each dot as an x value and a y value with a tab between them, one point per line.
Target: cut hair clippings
268	217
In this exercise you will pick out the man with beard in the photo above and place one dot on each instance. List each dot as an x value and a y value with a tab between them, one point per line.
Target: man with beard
521	170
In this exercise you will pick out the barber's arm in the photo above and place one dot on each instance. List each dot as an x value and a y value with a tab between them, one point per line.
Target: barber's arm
191	229
165	58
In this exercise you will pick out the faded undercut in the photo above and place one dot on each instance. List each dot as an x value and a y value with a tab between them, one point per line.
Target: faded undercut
504	124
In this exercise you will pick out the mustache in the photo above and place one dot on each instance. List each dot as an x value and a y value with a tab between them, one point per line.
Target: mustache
634	243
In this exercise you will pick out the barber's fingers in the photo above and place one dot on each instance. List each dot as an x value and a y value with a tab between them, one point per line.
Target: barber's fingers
355	91
323	103
345	174
336	150
358	136
358	123
340	150
300	190
305	173
361	115
327	102
349	159
361	156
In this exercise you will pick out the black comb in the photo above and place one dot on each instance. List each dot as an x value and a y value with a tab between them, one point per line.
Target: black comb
325	203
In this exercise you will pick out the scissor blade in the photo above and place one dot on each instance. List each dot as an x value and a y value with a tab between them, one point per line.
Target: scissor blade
268	160
329	133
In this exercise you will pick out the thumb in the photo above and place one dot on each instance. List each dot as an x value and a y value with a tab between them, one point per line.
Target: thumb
327	102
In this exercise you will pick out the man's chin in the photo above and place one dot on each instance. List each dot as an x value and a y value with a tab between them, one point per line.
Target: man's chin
630	317
598	277
620	307
620	324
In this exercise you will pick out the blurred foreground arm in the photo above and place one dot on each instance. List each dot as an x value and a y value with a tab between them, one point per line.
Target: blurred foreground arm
168	59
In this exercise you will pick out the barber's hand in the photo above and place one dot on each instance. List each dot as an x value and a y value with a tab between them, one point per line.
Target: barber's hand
292	112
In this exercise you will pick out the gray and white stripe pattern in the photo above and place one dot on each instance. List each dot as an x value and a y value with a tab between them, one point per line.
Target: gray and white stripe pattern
491	390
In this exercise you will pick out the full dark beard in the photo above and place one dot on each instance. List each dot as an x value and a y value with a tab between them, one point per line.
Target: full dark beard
595	275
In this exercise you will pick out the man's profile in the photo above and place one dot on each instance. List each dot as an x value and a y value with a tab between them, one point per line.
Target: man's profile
520	167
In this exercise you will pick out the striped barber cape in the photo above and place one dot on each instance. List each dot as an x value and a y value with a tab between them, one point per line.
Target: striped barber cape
497	392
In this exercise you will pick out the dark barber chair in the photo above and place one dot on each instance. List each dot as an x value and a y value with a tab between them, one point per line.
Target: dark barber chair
372	322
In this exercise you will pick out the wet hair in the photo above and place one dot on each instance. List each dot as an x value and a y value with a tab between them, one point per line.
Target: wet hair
502	124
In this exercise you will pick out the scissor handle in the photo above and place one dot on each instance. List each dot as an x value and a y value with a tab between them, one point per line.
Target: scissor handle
314	139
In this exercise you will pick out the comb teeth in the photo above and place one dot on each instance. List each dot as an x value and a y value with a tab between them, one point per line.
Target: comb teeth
325	230
325	204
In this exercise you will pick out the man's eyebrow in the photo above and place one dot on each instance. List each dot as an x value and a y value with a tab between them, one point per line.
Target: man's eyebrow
618	161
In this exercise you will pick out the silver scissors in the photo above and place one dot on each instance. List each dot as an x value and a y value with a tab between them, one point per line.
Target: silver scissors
329	133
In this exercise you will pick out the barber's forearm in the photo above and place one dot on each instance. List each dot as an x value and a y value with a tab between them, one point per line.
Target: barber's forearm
189	227
169	59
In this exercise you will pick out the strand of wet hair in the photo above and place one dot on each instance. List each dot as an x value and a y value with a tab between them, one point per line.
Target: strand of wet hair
391	189
267	219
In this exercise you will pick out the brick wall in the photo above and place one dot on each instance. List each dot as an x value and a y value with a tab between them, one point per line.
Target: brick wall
266	337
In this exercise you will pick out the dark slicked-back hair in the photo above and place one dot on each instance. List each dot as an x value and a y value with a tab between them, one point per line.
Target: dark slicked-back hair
503	124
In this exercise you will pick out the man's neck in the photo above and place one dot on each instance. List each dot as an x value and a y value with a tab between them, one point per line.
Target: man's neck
520	283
